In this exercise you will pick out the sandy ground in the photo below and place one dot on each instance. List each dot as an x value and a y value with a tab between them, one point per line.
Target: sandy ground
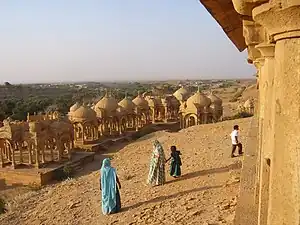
205	194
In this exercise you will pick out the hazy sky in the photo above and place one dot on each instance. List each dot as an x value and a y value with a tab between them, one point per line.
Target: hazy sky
75	40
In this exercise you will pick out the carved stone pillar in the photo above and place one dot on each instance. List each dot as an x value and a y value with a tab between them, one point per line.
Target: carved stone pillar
254	34
259	64
267	81
281	19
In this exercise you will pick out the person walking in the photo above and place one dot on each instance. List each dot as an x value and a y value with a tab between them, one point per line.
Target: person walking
235	142
157	174
175	166
109	186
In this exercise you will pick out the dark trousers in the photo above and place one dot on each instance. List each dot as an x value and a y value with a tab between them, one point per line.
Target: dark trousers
240	148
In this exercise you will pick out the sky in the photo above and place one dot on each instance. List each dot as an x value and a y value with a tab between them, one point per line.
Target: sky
111	40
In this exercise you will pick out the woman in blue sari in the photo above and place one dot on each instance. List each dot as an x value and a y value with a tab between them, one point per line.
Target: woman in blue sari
109	182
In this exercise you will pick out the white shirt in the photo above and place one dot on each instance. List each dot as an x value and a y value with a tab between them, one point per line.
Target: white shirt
234	133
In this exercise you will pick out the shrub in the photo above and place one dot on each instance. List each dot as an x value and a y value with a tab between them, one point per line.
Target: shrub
238	116
64	173
2	206
68	171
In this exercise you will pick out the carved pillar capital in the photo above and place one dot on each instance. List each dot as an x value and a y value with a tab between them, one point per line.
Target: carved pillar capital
266	50
245	7
254	34
280	18
259	63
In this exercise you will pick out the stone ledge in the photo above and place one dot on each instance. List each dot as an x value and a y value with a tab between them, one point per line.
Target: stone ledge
42	176
247	209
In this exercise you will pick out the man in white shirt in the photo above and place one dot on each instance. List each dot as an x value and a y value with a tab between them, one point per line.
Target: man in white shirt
235	142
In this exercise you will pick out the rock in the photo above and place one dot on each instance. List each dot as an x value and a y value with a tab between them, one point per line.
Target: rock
73	205
187	208
195	213
225	206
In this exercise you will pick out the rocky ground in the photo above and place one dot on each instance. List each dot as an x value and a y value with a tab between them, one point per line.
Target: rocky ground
205	194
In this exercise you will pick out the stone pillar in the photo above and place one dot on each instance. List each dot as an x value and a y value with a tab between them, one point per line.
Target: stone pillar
283	24
266	91
37	153
259	63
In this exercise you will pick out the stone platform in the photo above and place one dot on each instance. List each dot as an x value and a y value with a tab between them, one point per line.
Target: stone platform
105	144
80	156
42	176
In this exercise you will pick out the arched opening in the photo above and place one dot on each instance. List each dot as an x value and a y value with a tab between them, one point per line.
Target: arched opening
191	121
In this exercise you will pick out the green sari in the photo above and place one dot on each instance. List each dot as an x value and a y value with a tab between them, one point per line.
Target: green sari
175	166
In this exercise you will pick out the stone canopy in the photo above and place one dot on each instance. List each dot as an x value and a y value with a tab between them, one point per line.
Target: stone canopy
231	22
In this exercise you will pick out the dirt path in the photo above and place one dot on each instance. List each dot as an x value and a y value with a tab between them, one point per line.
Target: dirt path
205	194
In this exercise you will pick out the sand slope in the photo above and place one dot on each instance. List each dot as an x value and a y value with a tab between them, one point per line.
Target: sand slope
206	193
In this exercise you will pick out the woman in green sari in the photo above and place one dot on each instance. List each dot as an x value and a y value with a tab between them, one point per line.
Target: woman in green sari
175	167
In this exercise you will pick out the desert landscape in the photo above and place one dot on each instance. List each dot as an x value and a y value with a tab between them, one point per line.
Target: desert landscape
206	193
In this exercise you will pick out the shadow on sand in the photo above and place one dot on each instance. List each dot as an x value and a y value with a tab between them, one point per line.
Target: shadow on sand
224	169
168	197
234	166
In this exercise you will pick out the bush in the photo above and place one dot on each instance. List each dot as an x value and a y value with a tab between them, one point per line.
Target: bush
239	115
68	171
64	173
2	206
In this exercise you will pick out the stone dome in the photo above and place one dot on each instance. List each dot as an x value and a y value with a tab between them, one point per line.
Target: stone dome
198	99
249	103
215	99
127	104
74	107
107	103
84	113
141	102
182	94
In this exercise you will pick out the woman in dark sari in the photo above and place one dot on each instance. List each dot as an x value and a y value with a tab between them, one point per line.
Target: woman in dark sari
109	182
175	167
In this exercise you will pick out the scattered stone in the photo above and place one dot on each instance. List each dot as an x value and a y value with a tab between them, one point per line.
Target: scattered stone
73	205
187	208
195	213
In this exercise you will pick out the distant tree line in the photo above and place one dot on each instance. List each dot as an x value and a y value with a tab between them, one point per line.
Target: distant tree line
17	108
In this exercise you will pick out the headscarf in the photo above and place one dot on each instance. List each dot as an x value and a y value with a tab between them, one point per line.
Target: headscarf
108	186
158	149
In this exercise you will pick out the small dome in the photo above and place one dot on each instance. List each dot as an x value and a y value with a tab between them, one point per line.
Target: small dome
182	94
107	103
249	103
74	107
84	113
198	99
127	104
141	102
215	99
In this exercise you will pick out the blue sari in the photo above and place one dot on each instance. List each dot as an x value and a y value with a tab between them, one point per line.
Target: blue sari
111	201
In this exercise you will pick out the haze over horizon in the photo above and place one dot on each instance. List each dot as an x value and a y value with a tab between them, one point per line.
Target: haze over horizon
92	40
